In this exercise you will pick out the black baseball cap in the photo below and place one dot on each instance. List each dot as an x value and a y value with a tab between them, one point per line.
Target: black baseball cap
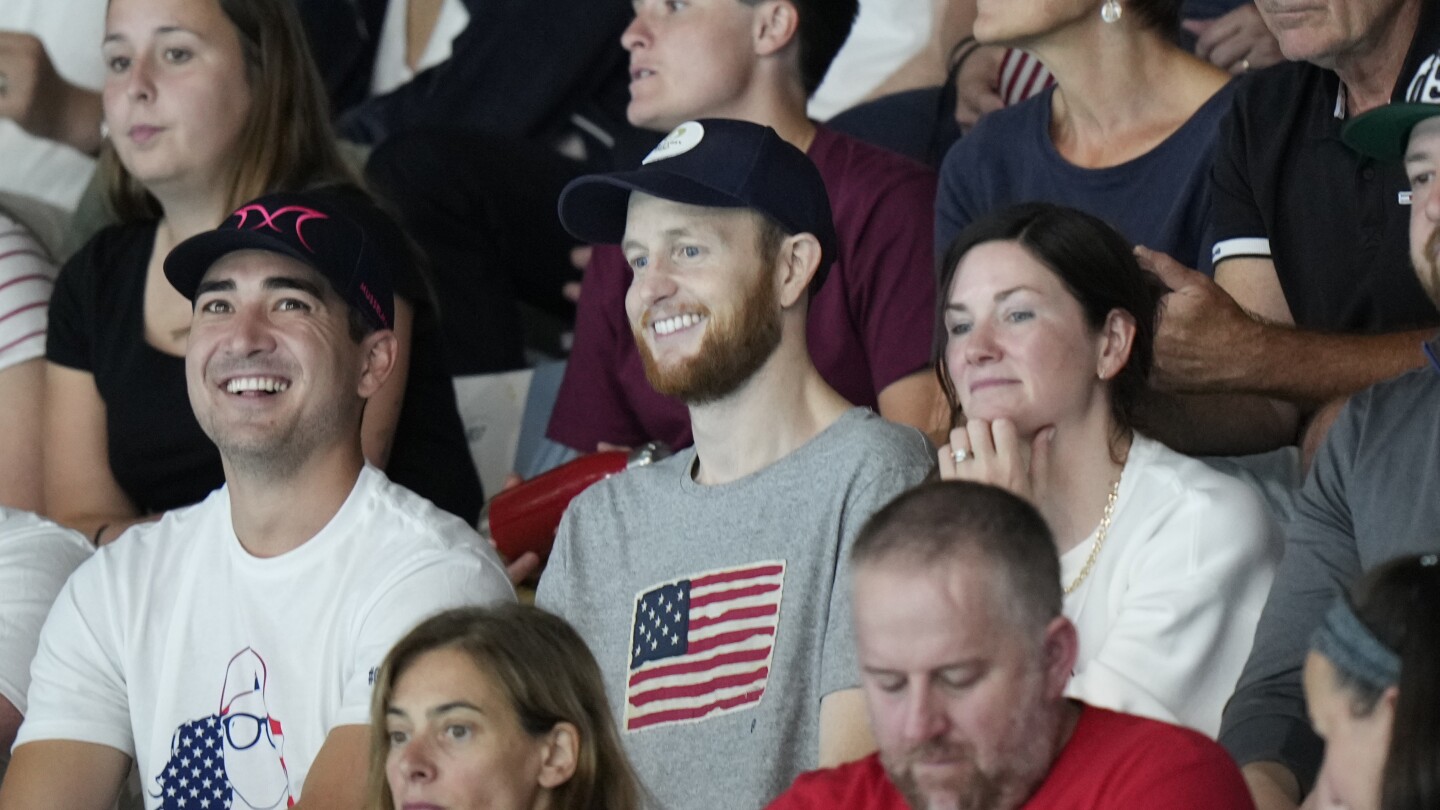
1384	132
717	163
340	234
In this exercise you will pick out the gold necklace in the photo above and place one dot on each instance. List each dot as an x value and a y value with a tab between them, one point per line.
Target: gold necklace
1099	537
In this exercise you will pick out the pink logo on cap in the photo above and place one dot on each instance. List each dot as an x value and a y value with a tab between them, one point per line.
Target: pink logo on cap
268	219
374	304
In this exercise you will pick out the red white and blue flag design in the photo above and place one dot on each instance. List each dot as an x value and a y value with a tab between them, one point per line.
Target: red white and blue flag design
702	646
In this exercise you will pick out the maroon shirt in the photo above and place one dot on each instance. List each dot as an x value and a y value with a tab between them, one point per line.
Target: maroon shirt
870	324
1113	761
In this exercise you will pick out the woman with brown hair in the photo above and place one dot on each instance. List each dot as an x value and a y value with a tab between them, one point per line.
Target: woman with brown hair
208	104
1045	341
495	707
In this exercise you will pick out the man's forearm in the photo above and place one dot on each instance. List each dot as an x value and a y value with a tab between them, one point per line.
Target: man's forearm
1310	368
1218	424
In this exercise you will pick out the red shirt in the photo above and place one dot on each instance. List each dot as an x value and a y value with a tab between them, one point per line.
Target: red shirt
870	324
1112	760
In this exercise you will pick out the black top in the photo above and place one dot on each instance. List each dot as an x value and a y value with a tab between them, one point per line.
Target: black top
157	452
1335	224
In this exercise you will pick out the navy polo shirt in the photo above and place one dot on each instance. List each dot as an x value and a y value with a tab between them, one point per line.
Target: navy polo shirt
1335	224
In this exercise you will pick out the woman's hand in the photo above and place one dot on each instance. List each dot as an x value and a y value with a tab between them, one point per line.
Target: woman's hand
994	454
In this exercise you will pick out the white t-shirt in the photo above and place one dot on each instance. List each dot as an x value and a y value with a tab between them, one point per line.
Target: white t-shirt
27	277
222	672
1167	616
390	69
886	35
71	31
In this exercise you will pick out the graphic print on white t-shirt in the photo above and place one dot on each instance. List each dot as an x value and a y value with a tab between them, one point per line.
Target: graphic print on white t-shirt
233	759
701	646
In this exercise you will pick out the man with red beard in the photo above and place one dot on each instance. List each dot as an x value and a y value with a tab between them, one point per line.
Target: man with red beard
870	326
964	656
711	585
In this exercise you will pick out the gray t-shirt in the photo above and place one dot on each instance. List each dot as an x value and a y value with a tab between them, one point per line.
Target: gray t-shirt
720	615
1369	497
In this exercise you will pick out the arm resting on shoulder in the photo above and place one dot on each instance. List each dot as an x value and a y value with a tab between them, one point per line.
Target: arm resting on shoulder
382	411
1236	335
1218	424
337	779
22	404
63	773
845	734
80	490
1304	366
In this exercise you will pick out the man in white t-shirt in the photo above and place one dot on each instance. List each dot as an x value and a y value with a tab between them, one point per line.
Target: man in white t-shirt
229	648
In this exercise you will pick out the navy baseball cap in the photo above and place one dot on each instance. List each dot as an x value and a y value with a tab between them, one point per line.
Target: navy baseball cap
716	163
341	235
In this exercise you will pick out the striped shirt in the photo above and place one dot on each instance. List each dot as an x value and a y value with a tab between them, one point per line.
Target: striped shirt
27	276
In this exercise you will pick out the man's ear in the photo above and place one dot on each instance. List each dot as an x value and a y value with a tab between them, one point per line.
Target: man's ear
799	259
560	753
379	352
776	25
1061	648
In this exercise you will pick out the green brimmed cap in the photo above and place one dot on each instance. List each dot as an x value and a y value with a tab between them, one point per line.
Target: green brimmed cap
1384	133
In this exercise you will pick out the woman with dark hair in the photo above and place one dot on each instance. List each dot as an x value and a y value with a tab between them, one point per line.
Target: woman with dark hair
1372	686
495	707
1045	336
208	104
1126	133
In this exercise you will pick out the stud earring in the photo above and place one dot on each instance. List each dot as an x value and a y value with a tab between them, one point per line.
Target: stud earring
104	130
1110	11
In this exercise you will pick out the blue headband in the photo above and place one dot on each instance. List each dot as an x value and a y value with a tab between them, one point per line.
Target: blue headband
1354	649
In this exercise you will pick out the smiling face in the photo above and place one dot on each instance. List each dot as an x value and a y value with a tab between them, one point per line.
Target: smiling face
456	742
273	373
964	704
176	96
702	303
1355	746
1320	30
1422	163
689	59
1018	346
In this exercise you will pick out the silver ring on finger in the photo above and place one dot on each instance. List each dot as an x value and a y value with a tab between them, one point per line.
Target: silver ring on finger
1244	65
961	455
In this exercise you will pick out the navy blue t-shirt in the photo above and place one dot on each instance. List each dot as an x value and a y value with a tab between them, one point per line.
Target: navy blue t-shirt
1160	199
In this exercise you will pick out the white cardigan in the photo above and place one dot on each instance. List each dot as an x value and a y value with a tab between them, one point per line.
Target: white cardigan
1167	616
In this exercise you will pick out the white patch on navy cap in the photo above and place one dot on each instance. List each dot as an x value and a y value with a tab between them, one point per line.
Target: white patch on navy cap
1425	86
681	139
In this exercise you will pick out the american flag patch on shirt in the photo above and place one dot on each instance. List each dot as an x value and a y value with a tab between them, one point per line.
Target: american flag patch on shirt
701	646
